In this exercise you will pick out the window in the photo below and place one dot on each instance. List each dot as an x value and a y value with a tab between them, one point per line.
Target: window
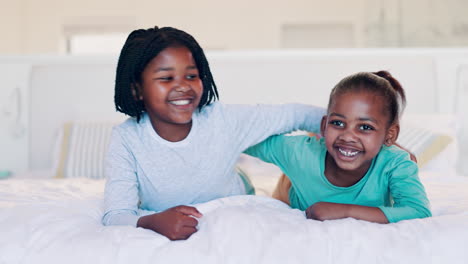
94	43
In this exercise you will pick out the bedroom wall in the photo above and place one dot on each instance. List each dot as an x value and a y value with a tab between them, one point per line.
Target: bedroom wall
11	27
218	24
30	26
64	89
61	89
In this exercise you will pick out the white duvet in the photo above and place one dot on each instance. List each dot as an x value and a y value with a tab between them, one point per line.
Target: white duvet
58	221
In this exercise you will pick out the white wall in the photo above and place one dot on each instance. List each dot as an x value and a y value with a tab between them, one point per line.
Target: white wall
11	26
217	24
70	88
32	26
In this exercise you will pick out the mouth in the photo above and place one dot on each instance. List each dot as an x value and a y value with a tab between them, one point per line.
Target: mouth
348	152
181	102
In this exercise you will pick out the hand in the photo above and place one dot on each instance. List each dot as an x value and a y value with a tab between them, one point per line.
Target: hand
176	223
327	211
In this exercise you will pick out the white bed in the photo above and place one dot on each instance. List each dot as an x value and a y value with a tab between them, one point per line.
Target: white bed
58	221
48	220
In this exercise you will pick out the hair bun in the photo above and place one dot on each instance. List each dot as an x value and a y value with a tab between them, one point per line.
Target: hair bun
396	86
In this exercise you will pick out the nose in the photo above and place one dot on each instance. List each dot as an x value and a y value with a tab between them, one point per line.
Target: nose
182	87
348	135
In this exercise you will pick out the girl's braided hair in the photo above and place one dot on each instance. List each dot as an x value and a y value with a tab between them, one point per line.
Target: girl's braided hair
140	48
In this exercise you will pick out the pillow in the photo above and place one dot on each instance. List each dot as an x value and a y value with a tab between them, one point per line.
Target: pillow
82	149
432	138
423	143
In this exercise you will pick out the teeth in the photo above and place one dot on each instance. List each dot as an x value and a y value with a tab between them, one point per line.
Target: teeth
348	153
180	102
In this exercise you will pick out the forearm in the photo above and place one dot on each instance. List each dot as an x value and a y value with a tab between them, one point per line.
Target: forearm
120	218
330	211
308	117
367	213
253	124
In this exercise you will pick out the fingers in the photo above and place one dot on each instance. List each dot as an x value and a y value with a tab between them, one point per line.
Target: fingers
184	233
190	222
188	210
308	213
189	231
185	228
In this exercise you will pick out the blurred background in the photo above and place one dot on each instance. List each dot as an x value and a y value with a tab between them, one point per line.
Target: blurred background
57	58
90	26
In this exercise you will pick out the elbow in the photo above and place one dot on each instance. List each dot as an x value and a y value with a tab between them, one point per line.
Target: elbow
425	212
421	212
105	220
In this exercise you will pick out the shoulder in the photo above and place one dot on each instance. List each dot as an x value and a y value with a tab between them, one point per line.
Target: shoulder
129	126
394	153
210	111
394	157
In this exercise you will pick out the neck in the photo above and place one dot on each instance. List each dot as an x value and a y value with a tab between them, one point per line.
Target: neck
343	178
172	132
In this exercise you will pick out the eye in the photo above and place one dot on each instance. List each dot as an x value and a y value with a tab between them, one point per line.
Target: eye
366	127
192	76
165	78
337	123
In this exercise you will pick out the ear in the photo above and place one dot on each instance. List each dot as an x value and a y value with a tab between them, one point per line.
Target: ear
323	125
137	92
392	134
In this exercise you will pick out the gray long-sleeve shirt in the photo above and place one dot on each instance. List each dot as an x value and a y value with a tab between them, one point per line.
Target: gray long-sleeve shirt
147	174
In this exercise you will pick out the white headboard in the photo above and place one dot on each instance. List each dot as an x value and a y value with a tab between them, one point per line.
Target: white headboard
78	88
309	76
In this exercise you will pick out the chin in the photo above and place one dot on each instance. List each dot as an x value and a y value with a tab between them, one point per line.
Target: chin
182	120
348	167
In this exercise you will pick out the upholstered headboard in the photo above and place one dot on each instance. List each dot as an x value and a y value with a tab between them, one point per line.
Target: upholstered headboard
63	89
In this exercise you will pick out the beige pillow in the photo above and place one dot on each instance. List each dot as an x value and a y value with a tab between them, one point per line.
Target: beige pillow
82	149
424	143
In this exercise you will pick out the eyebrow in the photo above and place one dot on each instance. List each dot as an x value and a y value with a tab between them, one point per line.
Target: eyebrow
164	69
336	114
369	119
171	68
360	119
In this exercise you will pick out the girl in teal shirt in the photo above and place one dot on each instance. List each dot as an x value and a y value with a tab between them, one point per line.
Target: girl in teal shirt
354	170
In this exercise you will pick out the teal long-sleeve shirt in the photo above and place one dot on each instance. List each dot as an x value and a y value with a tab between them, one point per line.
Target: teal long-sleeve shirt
391	183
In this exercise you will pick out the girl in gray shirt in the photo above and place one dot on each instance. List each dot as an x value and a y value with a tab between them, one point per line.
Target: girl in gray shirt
179	147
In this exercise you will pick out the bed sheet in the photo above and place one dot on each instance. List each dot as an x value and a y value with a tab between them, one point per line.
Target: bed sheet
58	221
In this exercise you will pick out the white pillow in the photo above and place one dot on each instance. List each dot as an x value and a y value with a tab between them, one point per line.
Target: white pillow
432	138
83	146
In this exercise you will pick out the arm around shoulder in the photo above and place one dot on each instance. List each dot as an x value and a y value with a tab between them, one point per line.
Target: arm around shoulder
255	123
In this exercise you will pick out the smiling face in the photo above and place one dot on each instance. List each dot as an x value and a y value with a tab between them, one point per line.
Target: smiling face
171	89
355	128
